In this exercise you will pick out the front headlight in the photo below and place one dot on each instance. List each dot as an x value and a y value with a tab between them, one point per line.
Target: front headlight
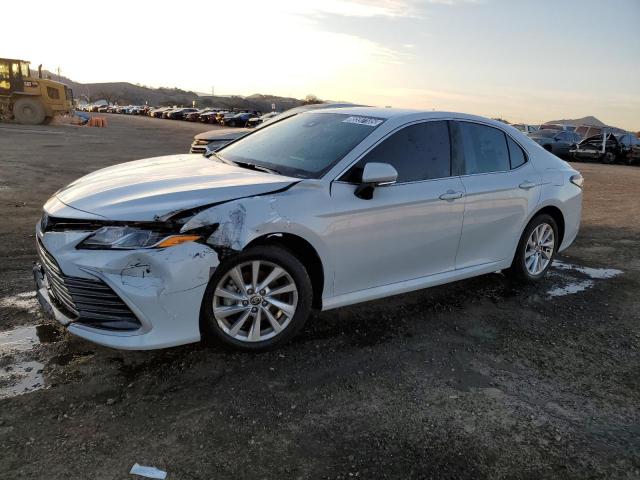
127	238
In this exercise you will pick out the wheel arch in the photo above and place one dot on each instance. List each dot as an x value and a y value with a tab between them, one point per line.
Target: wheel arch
555	213
305	252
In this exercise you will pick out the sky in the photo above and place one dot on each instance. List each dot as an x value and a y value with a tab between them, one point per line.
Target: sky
525	61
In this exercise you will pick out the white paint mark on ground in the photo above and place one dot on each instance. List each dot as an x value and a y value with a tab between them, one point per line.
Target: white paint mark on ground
596	273
576	285
23	301
571	288
23	375
148	472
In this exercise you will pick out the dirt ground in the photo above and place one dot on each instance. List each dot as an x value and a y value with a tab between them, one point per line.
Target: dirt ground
478	379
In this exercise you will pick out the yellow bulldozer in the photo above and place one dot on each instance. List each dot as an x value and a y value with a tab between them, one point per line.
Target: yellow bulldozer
29	100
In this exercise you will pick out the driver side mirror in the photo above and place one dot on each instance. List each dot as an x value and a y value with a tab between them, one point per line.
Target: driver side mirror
375	175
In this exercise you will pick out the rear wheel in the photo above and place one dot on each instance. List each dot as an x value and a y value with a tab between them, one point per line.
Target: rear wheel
536	249
29	111
257	299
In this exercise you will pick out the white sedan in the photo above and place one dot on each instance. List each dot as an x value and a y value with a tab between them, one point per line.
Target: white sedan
320	210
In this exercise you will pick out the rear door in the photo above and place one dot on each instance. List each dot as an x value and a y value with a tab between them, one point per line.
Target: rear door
501	186
407	230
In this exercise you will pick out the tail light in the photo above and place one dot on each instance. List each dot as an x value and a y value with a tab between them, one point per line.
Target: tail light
577	180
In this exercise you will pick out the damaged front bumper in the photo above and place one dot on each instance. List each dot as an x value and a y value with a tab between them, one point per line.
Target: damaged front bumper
128	299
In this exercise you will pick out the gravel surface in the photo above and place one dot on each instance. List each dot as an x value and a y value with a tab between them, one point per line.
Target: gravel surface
477	379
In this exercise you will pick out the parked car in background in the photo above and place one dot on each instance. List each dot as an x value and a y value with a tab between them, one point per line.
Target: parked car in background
558	126
237	120
630	146
221	114
586	131
179	113
165	114
255	121
215	139
208	117
318	210
525	128
158	112
195	116
603	148
558	142
200	140
142	110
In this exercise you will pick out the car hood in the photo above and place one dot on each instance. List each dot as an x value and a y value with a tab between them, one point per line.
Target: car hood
144	190
222	134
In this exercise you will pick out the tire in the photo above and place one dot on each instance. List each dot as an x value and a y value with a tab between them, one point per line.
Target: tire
230	315
521	267
608	158
29	111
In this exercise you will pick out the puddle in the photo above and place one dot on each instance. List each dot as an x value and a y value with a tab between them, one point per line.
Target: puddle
20	378
20	339
19	372
575	285
23	301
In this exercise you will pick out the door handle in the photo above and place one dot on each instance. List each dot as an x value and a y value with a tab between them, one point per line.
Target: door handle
451	195
527	185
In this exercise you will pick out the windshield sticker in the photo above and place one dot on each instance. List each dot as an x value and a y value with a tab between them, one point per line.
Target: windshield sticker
369	121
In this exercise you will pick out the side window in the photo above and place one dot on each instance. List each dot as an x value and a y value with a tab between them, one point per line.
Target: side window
485	148
418	152
516	154
4	76
53	93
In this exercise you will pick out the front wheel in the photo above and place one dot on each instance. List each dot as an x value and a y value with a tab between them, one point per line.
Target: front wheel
536	249
257	299
29	111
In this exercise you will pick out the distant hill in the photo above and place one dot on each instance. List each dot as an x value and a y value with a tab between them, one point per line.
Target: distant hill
589	120
125	93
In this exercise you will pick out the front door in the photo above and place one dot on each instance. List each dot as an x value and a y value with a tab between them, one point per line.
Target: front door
407	230
17	79
5	78
501	187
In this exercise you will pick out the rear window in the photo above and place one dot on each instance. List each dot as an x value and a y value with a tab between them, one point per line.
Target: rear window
485	149
516	154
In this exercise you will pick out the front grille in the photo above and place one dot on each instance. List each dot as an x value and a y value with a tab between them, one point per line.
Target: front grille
90	302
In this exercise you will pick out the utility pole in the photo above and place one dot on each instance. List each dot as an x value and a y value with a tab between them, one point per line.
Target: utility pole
213	92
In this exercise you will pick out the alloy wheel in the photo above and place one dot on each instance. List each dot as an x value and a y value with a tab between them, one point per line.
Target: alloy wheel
255	301
539	250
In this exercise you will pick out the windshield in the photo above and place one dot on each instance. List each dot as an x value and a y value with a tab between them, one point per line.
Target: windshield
303	146
544	133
